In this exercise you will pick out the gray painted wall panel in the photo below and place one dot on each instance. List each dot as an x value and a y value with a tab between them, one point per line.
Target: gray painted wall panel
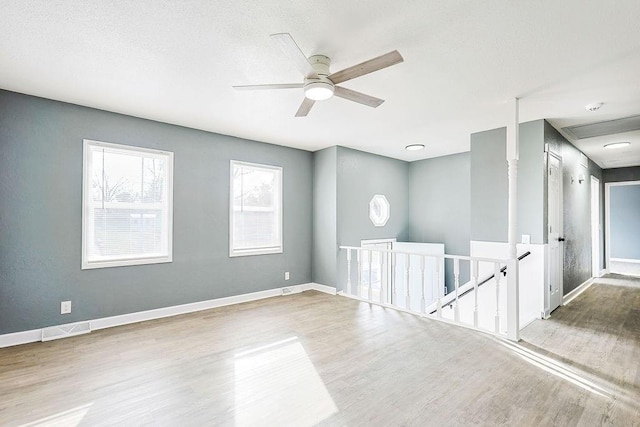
576	210
40	217
531	183
360	176
621	174
325	245
490	184
439	209
625	221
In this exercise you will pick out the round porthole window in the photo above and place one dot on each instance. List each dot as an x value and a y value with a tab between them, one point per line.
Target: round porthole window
379	210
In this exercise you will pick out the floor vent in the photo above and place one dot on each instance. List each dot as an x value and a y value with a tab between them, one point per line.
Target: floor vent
63	331
609	127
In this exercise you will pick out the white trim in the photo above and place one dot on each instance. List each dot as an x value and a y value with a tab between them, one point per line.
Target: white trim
18	338
607	216
625	266
626	260
603	272
167	156
35	335
595	225
577	291
375	241
321	288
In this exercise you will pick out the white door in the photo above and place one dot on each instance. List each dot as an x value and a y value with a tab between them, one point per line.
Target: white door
595	227
555	238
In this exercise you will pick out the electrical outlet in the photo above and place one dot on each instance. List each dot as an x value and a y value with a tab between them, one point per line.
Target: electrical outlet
286	275
65	307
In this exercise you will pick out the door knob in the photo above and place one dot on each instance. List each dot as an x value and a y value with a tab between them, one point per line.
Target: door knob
560	239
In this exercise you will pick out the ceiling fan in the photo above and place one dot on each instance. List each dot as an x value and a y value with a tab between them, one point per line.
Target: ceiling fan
319	84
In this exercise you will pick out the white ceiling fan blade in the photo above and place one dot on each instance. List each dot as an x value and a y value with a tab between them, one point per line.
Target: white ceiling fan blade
305	107
270	86
375	64
291	49
358	97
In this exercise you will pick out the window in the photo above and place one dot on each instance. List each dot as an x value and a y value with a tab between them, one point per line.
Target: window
255	209
126	206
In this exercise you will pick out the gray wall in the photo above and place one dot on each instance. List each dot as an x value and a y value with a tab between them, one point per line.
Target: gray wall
624	208
325	231
621	174
360	176
40	218
576	199
489	194
439	209
490	184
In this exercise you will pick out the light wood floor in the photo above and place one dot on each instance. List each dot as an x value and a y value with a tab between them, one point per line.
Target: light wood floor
313	358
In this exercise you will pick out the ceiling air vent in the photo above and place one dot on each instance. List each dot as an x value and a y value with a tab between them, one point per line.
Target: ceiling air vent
610	127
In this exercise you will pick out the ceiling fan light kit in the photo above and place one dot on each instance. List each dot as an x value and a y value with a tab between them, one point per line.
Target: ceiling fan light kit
318	90
319	84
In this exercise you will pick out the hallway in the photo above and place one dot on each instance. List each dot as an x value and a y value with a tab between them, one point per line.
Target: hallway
597	337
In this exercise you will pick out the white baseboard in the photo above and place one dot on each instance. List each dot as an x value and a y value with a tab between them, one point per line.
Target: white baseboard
17	338
626	267
603	272
577	291
321	288
35	335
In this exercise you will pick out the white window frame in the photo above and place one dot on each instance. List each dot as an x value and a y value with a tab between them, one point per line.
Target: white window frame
86	205
255	251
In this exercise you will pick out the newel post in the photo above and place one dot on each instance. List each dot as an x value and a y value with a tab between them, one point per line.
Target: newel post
513	288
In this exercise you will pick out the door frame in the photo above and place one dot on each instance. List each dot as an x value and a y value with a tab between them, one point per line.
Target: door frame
595	227
607	219
547	290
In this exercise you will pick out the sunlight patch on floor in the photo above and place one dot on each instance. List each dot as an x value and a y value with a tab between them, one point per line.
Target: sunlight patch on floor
555	368
70	418
276	384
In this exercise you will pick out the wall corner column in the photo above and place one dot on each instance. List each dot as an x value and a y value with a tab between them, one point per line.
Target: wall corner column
513	154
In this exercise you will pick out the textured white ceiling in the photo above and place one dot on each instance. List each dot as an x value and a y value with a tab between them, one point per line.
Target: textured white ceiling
175	61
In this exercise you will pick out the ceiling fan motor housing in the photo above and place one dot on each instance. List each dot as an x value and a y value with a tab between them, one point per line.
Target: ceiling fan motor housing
321	88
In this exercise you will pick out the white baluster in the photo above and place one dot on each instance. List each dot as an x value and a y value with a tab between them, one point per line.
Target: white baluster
408	284
348	271
383	292
394	297
369	291
456	281
423	302
359	287
497	276
474	273
439	262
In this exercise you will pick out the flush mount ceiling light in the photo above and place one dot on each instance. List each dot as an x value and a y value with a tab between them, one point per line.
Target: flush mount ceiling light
593	107
616	145
414	147
319	90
